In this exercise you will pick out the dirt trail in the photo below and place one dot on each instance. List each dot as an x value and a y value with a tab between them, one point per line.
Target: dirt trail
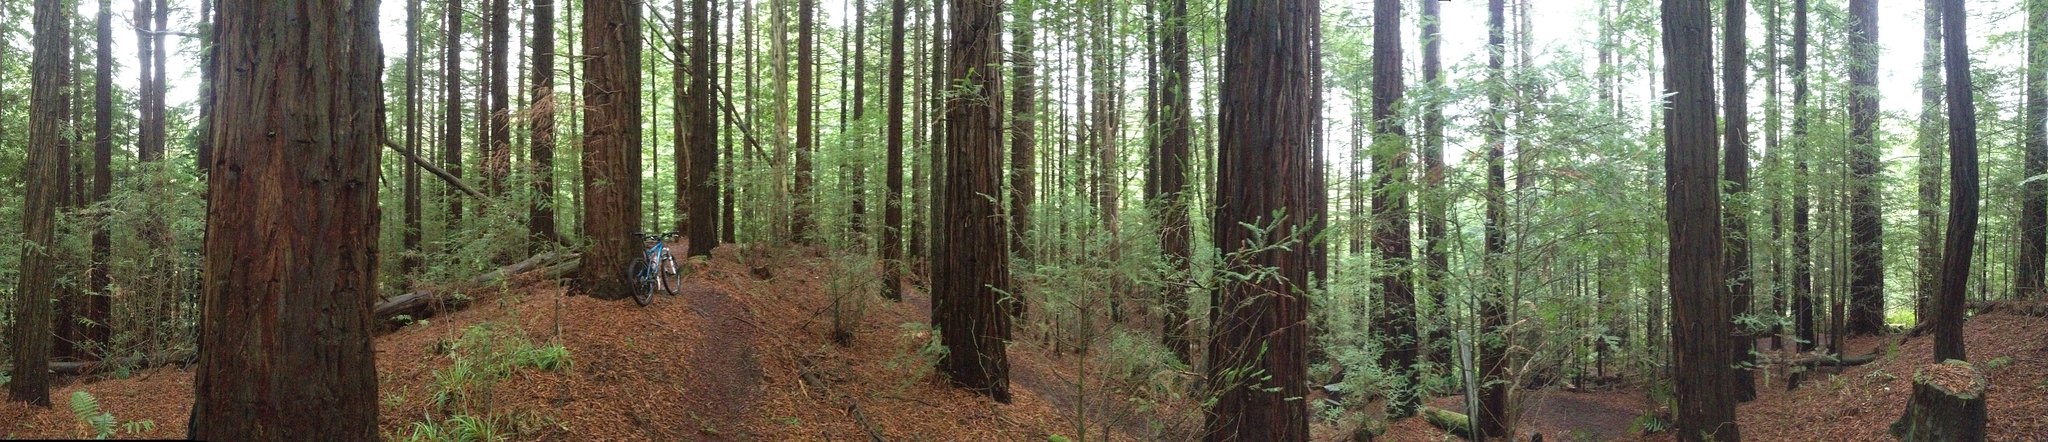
726	379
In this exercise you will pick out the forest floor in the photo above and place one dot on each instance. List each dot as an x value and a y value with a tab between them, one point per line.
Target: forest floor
734	356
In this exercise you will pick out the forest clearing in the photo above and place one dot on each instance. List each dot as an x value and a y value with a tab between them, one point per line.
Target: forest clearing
939	220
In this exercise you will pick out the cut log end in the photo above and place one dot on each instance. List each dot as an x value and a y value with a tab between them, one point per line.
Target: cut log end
1947	404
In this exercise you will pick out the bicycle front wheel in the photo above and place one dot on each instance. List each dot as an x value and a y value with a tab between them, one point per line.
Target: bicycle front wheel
641	279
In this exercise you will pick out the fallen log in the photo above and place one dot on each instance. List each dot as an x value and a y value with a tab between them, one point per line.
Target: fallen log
2025	308
1454	422
424	304
138	362
1831	361
1947	404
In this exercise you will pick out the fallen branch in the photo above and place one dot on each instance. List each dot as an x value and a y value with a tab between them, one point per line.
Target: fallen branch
2026	308
427	303
1825	360
1451	421
437	171
804	365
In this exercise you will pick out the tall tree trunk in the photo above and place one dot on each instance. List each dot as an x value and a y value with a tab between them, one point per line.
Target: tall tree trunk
29	335
1802	238
1739	201
611	146
1263	169
499	163
728	228
1176	130
892	198
1699	301
806	117
2033	225
1866	260
703	133
1962	166
208	60
1435	205
98	307
451	116
541	231
1023	126
1774	164
1390	210
150	126
1927	276
1493	420
970	271
409	256
285	351
933	233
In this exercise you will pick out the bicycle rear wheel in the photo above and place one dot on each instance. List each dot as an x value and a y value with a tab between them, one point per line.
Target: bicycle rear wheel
641	278
670	281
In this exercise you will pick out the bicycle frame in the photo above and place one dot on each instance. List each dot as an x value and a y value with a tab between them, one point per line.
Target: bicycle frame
654	257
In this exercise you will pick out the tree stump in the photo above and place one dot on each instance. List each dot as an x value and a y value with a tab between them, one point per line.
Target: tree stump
1947	404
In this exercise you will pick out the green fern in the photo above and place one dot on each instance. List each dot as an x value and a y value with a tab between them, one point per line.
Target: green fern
87	409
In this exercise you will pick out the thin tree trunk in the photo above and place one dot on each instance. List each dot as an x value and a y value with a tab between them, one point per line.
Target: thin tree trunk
1433	199
1739	201
806	118
451	116
1493	419
892	199
285	342
1176	131
1802	238
409	257
1023	126
541	231
499	164
98	308
1962	171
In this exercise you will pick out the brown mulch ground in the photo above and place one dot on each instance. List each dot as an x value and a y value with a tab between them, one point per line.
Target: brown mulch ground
723	360
728	358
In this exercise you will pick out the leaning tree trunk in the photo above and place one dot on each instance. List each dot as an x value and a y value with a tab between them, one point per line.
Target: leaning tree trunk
1947	404
291	240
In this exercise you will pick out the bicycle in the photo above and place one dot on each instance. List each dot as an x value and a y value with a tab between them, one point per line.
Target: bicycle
660	276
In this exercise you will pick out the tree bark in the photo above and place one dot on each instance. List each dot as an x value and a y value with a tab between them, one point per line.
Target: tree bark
499	163
1802	239
1735	214
1396	321
1699	301
29	335
1493	420
409	257
703	134
541	230
806	118
1023	126
2033	222
451	115
970	272
1866	260
1947	403
1927	276
1962	175
611	146
1435	205
291	243
892	198
1176	130
98	305
1265	177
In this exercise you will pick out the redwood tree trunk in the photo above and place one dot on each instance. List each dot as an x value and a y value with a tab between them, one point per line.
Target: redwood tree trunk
1866	250
29	336
409	255
1264	167
291	241
1962	173
98	308
499	162
1493	313
1435	206
806	118
1699	302
2034	196
892	199
1396	322
541	231
1176	130
1927	276
971	272
703	135
451	116
1802	206
1735	215
611	146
